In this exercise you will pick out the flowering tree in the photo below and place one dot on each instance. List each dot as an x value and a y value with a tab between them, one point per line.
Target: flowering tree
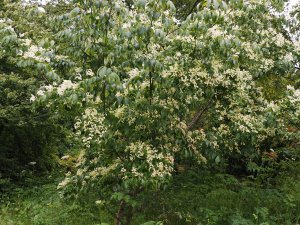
148	90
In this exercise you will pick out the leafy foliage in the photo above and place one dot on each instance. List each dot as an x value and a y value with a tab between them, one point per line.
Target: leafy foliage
149	93
29	136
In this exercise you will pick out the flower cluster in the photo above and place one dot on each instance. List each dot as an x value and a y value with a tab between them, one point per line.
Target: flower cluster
145	159
66	84
215	31
35	52
90	128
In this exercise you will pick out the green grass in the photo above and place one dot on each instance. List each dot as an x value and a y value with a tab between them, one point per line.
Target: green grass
42	205
196	197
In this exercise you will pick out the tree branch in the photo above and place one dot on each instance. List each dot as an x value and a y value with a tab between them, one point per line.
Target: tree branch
193	7
198	115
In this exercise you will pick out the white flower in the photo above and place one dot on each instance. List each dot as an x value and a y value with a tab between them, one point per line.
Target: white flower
29	55
65	157
63	183
279	40
41	10
78	76
133	170
126	25
160	166
40	93
119	112
273	106
99	202
32	98
27	42
133	73
289	57
178	54
290	87
90	73
66	84
48	88
79	172
215	31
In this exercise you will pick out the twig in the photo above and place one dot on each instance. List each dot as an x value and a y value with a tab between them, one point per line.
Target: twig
198	115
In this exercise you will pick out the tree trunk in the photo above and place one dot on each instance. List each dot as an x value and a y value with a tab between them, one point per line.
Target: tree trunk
129	215
120	213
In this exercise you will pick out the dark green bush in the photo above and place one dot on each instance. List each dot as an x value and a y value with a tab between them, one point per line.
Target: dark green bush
28	138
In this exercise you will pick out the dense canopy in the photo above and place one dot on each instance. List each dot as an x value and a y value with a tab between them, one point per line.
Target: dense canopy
135	98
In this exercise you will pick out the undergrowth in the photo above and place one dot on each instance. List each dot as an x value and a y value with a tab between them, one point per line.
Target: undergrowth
196	197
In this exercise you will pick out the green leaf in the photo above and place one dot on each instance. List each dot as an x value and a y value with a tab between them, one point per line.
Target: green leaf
75	12
113	78
216	4
159	33
208	3
141	4
171	6
102	72
224	5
